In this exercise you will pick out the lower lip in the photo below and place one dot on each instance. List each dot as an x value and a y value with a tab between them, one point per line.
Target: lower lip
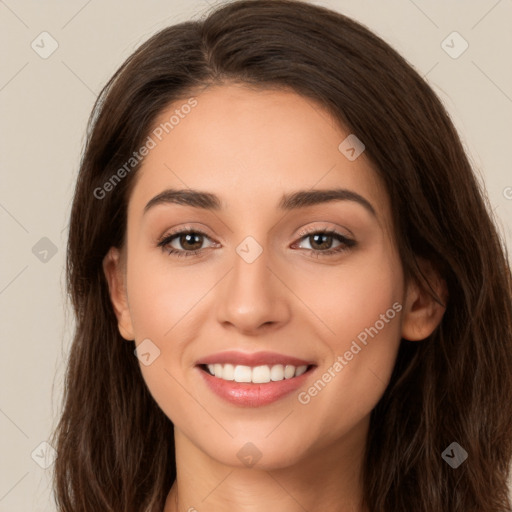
253	395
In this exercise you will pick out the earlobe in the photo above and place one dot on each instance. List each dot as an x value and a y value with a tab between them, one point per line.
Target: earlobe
113	270
423	312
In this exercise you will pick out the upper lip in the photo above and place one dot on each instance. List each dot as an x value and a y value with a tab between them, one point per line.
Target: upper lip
252	359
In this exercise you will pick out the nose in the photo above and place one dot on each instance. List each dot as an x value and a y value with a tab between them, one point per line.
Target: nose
252	299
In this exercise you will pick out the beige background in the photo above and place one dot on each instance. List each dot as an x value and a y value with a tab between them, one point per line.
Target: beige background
45	104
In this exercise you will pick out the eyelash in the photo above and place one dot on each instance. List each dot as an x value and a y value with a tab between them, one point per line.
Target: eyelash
347	243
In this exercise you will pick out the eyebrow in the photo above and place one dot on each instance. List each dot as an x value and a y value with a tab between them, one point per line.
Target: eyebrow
292	201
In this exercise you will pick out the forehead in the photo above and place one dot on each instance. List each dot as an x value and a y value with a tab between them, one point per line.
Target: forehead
249	147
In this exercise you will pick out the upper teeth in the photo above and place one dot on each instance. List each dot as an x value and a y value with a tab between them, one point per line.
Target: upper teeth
257	374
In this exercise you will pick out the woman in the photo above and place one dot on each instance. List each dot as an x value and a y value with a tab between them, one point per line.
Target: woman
289	291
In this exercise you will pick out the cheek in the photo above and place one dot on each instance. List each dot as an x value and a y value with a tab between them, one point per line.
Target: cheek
162	310
161	300
362	307
352	296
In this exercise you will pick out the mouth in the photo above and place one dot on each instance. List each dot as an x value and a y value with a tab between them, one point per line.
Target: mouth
256	375
254	380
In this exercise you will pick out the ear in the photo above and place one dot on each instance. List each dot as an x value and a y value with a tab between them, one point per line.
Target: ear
113	268
422	312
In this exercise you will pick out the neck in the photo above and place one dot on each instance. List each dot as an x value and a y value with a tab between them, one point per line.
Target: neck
329	478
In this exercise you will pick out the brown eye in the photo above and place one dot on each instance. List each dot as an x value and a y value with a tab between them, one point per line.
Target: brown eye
325	243
184	243
321	241
190	241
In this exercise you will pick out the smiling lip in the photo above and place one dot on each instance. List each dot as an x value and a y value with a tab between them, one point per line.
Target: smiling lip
248	394
256	359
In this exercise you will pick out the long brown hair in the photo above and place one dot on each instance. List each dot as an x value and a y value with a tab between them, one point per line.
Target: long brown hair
115	446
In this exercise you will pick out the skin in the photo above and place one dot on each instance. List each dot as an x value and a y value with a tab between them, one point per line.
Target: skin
250	147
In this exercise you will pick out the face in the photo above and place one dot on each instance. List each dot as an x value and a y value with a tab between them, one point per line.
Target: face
264	279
